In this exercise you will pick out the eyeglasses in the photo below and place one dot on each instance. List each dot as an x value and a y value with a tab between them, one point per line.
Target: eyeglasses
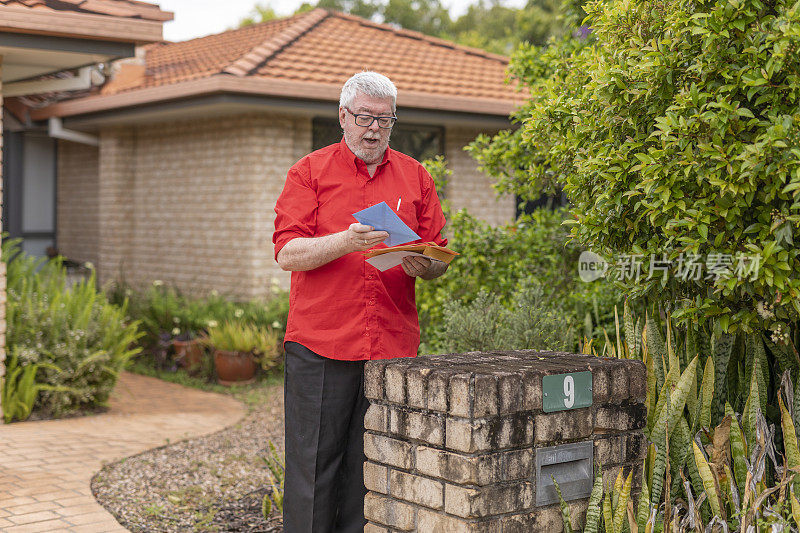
365	121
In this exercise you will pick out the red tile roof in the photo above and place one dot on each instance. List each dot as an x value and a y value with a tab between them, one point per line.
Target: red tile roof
308	56
326	48
117	8
199	58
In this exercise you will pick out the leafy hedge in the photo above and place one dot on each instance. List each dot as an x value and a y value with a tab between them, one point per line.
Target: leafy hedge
675	131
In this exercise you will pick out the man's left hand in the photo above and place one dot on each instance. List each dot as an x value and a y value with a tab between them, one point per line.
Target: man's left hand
416	266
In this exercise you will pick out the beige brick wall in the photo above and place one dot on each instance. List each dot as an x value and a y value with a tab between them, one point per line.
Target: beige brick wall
115	211
191	203
470	189
78	216
2	264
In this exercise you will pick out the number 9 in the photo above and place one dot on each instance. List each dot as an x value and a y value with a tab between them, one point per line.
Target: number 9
569	392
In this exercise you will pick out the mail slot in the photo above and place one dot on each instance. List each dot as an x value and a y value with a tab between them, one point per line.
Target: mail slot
570	465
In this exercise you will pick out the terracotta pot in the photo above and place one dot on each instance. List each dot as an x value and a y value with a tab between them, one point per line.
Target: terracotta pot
234	368
189	354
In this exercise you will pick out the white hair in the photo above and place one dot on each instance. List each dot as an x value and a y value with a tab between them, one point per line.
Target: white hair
370	84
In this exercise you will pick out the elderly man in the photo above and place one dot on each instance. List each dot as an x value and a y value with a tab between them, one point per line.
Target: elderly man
344	312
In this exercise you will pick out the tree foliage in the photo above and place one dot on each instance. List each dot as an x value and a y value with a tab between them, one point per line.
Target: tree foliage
425	16
488	25
260	13
495	27
360	8
675	131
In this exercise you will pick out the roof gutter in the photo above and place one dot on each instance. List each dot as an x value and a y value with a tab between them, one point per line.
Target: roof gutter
55	129
87	76
81	25
267	87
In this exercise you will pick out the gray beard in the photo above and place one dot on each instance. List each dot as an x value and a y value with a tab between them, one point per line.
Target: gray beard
369	157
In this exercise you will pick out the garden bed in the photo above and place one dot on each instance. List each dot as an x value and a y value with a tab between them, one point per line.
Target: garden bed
207	484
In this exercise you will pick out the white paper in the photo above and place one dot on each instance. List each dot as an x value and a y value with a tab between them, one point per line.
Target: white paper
392	259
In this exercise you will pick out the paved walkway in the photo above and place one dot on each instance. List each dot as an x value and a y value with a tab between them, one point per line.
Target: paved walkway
46	467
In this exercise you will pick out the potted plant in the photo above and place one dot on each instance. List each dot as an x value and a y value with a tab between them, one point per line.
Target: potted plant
189	321
188	350
234	345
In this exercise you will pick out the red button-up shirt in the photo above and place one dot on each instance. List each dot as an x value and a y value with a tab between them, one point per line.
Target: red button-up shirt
347	309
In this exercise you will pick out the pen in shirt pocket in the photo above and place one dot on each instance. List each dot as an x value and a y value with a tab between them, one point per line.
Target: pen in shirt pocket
398	204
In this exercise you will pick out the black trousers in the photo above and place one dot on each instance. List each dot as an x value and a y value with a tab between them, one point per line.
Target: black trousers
324	407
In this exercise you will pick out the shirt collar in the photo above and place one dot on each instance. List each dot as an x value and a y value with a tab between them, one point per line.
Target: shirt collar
353	162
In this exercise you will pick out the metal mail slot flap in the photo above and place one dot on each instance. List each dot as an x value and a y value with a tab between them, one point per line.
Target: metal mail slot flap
570	465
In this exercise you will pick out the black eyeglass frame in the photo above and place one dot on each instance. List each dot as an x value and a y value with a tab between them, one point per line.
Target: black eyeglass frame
373	118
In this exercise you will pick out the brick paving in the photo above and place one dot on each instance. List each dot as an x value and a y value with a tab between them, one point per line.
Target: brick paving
46	466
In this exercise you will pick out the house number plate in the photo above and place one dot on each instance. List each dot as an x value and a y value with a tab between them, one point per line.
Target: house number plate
566	391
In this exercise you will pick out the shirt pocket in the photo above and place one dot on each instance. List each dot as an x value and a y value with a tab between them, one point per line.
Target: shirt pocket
408	214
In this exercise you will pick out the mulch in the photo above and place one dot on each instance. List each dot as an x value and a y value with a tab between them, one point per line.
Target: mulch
213	483
244	515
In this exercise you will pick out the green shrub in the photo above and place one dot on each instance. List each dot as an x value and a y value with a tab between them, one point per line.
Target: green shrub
485	324
166	314
78	339
164	310
674	129
501	261
231	337
159	309
675	132
19	389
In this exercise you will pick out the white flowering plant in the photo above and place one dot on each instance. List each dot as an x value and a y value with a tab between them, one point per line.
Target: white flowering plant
76	337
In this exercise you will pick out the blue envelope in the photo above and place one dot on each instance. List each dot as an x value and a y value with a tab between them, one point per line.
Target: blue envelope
382	218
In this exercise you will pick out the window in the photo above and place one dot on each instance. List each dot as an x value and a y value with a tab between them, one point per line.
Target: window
29	195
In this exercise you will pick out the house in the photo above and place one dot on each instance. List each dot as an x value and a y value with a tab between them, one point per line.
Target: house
39	38
182	153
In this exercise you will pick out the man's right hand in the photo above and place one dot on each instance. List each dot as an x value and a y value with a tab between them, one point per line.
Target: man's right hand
359	237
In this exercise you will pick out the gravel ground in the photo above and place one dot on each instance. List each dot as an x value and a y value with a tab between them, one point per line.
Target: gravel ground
207	484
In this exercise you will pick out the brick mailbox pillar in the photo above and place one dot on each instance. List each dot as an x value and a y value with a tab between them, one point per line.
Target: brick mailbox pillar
457	442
